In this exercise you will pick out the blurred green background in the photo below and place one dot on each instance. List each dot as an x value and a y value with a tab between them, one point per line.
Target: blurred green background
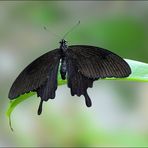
119	115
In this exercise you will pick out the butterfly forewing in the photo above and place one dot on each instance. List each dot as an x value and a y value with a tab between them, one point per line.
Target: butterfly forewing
35	74
95	62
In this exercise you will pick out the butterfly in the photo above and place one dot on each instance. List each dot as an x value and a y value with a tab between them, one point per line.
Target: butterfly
81	65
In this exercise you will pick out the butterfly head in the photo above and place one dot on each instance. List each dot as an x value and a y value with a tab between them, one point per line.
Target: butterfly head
62	42
63	45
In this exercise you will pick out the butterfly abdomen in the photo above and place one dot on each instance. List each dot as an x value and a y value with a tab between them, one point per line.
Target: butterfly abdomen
63	68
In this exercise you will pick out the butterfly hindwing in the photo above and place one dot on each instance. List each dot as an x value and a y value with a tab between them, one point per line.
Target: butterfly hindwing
35	75
95	62
47	90
77	82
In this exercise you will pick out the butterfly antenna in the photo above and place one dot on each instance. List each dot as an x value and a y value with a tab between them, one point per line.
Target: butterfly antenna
71	29
46	29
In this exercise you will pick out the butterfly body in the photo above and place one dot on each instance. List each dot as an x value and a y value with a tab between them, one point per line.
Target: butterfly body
81	65
63	69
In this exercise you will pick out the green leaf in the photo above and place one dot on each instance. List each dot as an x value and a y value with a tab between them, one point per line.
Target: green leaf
139	73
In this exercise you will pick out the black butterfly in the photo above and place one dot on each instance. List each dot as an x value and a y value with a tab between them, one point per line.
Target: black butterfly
80	64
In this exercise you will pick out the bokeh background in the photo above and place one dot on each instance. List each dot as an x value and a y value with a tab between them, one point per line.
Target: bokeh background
119	115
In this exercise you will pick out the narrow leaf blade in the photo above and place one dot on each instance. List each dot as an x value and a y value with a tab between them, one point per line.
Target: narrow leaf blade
139	73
